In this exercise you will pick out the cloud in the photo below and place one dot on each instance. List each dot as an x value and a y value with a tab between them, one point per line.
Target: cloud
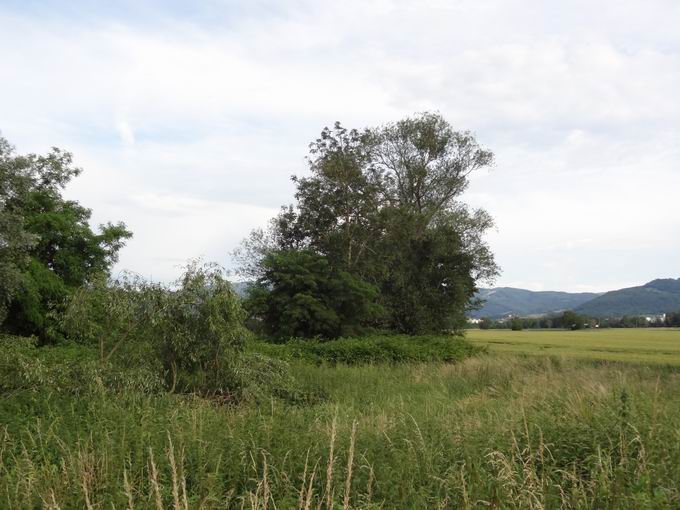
190	120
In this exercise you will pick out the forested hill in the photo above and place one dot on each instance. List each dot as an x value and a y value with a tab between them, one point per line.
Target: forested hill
504	301
655	297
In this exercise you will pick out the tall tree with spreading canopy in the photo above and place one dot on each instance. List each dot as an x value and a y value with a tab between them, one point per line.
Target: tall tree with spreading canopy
384	205
50	248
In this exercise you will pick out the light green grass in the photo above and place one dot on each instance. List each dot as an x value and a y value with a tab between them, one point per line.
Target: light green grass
490	432
644	345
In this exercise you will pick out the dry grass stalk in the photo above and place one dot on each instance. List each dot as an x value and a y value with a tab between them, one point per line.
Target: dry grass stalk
175	477
310	488
350	463
331	461
185	499
86	475
153	474
128	491
301	499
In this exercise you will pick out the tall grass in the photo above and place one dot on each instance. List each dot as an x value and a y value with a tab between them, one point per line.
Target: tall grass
488	432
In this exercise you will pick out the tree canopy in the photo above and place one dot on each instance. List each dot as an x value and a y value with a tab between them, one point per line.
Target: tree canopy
47	247
383	205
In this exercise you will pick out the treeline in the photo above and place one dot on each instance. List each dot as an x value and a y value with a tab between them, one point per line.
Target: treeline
376	241
574	321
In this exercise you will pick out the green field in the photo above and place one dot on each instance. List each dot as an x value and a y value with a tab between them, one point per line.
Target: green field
644	345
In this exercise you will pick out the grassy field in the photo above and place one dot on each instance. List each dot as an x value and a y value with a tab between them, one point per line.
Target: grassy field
490	431
644	345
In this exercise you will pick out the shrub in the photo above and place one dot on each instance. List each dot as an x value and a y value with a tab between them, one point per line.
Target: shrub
374	349
301	294
264	377
193	333
72	369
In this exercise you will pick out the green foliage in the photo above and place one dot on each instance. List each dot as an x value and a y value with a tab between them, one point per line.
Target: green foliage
392	349
571	320
63	252
485	323
516	324
197	330
193	331
15	240
265	376
69	369
301	294
382	205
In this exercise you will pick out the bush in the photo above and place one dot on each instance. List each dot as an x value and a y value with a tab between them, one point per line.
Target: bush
192	333
264	377
72	369
301	294
373	349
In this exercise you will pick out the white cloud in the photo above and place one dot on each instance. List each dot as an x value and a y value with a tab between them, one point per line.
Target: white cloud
189	128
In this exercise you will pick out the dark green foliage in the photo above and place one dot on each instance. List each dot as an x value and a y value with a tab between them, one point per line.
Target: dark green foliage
382	205
374	349
570	320
516	324
673	320
301	294
64	252
15	240
485	323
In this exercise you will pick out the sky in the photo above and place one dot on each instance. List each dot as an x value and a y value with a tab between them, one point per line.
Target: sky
189	118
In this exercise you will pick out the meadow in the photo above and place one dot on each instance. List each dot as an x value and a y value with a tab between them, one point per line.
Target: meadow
641	345
490	430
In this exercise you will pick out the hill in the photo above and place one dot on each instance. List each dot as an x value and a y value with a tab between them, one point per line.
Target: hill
502	301
655	297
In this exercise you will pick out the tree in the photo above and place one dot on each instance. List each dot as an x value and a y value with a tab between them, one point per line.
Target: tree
15	240
485	323
516	324
572	320
55	250
301	295
383	205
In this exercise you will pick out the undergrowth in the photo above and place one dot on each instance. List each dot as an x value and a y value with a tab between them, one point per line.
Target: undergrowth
487	432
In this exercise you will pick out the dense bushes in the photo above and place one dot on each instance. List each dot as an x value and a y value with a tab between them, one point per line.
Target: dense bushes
192	334
71	369
300	294
373	349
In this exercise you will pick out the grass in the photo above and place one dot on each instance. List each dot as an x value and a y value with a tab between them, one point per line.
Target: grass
644	345
490	432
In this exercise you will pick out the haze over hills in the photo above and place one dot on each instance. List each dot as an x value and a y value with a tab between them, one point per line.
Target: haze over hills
656	297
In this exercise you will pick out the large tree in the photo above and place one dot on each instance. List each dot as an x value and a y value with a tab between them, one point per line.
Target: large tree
384	205
15	240
51	248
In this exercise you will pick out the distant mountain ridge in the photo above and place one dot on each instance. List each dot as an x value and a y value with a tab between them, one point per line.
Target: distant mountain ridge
504	301
656	297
